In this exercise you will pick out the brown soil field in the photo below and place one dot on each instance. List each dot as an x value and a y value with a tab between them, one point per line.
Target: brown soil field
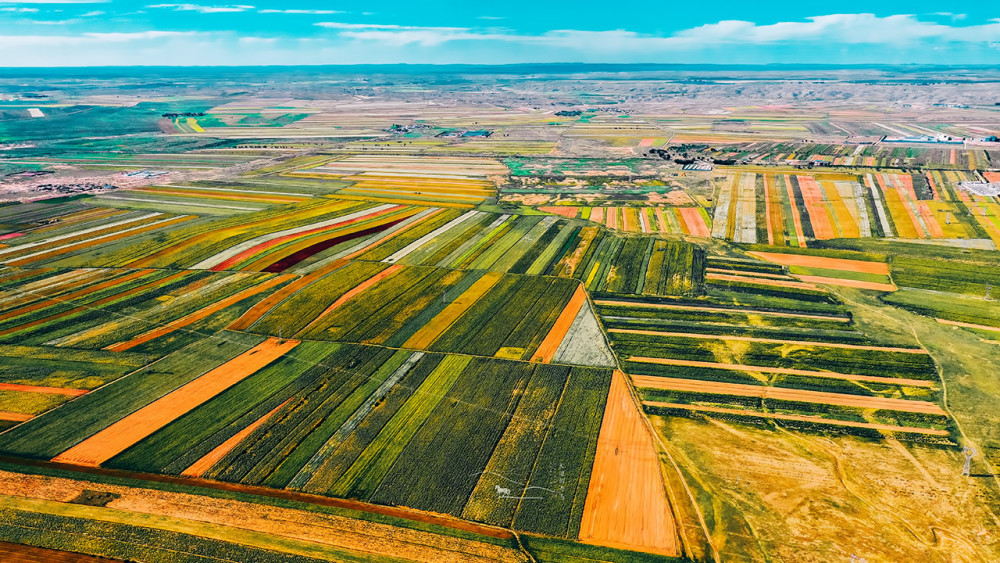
130	430
198	315
782	393
780	416
40	389
199	467
627	505
769	340
720	310
859	266
787	371
16	553
874	286
547	349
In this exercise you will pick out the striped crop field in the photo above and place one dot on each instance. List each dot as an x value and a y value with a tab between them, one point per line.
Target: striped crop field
787	209
693	221
803	364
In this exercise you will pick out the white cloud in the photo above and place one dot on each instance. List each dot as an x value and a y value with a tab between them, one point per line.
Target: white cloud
368	26
834	29
204	9
310	12
19	10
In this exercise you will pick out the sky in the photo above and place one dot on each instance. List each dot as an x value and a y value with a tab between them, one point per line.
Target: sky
95	33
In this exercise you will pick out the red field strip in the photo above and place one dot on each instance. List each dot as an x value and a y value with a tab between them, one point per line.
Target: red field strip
627	505
15	416
720	310
785	371
874	286
98	303
798	417
137	426
695	222
807	261
353	293
225	265
768	340
199	467
785	394
40	389
197	315
316	247
547	349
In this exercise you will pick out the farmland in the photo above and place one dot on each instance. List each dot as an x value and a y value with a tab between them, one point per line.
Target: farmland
460	316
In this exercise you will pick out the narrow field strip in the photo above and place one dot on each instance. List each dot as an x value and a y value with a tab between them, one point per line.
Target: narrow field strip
128	431
235	250
42	389
43	302
15	417
798	417
21	260
785	394
857	284
183	203
428	333
198	468
784	371
197	315
353	293
265	305
611	302
761	281
750	274
627	505
78	233
98	303
547	349
968	325
768	340
405	251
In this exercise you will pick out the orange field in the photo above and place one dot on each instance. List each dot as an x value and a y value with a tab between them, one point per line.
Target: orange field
15	416
547	349
627	505
860	266
128	431
694	221
199	467
198	315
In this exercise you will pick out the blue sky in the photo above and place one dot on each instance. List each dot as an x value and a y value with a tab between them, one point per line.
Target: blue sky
246	32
